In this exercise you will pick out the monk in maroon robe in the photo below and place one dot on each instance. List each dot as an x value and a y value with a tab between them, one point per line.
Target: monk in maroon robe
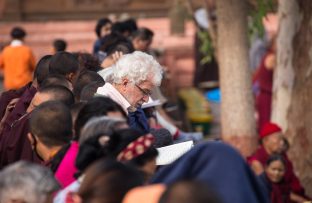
272	143
15	144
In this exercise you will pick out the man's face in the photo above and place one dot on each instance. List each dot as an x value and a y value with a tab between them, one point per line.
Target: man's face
274	142
137	94
38	99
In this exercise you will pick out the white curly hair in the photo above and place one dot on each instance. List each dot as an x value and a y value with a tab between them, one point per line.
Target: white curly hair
137	67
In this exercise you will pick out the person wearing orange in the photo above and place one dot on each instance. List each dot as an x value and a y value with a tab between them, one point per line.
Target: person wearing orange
17	61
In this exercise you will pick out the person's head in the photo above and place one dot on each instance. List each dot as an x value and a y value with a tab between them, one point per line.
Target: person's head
125	145
88	91
97	106
275	168
124	28
108	181
271	138
142	39
135	75
50	127
56	79
25	182
84	78
88	61
64	63
103	27
102	125
59	45
42	69
18	33
51	93
189	191
113	43
147	193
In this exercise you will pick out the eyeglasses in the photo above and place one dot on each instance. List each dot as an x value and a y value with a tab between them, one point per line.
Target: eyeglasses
144	92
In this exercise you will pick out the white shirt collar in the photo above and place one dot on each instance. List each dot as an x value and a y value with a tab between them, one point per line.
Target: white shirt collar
111	92
16	43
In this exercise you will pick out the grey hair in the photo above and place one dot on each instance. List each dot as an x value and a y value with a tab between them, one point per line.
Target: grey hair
137	67
27	182
100	125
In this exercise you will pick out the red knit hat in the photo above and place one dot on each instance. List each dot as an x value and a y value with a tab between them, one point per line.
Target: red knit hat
268	129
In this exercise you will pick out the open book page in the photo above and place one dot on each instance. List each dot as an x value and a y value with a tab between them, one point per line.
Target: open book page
171	153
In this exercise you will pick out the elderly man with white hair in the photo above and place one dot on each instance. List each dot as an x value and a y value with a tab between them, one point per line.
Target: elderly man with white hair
133	78
25	182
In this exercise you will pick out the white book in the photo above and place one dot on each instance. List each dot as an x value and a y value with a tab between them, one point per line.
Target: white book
168	154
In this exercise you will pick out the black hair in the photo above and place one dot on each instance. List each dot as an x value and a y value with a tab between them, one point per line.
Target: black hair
276	157
97	106
18	33
126	47
100	24
59	45
131	24
63	63
88	61
92	149
59	93
189	191
55	79
42	69
85	77
108	181
88	91
125	28
75	108
51	123
143	34
110	41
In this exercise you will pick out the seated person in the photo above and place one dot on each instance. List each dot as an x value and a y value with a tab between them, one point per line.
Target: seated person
50	136
271	143
107	181
24	182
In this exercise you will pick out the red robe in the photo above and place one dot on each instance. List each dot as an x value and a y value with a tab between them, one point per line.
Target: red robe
264	98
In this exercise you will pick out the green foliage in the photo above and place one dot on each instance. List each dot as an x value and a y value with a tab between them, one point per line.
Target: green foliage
206	47
256	15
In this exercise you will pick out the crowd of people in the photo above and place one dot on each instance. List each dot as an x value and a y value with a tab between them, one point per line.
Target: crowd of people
81	127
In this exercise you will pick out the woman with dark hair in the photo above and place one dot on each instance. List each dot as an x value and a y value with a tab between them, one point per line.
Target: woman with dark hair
274	178
108	181
102	28
125	145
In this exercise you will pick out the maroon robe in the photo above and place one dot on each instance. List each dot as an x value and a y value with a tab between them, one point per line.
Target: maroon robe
16	145
7	96
262	156
279	192
18	111
264	98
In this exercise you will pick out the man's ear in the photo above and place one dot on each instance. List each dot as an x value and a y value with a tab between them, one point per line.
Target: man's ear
31	139
125	82
70	77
